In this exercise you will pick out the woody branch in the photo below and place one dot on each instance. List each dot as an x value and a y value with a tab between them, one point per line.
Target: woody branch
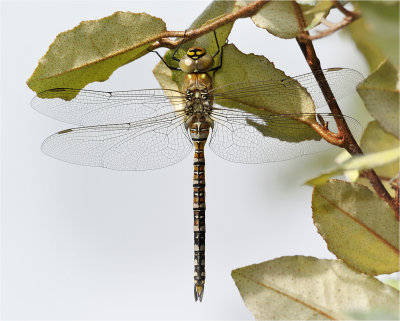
346	138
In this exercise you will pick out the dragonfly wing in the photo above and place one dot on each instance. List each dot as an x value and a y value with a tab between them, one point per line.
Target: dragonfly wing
243	137
90	107
342	81
149	144
275	94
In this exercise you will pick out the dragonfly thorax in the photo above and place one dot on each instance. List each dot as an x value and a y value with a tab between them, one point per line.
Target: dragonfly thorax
197	89
196	60
198	104
196	81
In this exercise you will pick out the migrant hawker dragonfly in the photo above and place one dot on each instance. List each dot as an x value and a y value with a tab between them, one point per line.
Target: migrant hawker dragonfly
141	130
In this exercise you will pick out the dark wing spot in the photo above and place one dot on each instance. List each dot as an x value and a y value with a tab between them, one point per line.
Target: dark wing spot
64	131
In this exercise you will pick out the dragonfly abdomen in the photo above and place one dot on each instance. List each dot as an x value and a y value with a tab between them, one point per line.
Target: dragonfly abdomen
199	130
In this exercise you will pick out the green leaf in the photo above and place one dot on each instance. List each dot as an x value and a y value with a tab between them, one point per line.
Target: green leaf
380	93
279	17
343	156
390	156
307	288
393	282
240	67
375	139
94	49
214	11
315	12
375	314
358	227
376	33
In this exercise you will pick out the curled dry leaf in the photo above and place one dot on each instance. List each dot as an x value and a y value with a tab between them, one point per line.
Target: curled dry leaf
307	288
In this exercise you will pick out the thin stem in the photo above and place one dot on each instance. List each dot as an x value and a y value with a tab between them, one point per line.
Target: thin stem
244	12
349	17
348	142
333	27
346	12
396	187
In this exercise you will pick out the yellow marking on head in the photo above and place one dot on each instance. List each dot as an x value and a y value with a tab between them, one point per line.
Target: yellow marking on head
203	75
195	52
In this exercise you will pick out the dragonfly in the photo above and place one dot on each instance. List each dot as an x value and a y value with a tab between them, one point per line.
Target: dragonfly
154	128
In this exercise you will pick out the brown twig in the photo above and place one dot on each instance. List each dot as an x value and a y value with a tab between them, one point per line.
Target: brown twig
346	12
349	17
247	11
333	28
346	140
396	187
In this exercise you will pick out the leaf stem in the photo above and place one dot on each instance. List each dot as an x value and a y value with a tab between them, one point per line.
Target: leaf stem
396	187
244	12
349	17
353	14
347	140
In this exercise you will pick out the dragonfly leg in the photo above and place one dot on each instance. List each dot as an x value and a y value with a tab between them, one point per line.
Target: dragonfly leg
220	61
322	121
216	40
173	56
177	48
170	67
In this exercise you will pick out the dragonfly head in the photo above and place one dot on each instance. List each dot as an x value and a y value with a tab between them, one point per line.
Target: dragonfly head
196	59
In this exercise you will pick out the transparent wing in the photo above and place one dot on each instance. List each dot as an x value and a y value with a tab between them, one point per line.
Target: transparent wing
148	144
342	81
90	107
242	137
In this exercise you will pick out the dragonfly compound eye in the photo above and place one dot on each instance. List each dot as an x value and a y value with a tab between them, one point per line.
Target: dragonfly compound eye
196	59
187	64
205	62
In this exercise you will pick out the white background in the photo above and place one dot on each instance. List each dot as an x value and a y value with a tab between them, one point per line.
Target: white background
91	243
